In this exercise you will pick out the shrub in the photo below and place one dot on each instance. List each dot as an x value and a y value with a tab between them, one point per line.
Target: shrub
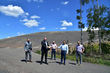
105	48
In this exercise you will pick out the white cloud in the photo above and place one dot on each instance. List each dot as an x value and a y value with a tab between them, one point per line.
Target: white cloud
65	23
65	3
26	13
30	23
20	33
11	10
8	37
43	28
85	29
63	28
40	1
34	16
56	28
24	20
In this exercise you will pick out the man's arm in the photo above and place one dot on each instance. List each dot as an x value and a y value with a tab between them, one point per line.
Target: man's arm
83	49
25	49
31	46
56	46
42	44
60	46
67	49
47	44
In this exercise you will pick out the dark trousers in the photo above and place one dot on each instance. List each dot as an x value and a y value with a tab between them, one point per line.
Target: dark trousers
28	53
78	55
63	56
53	53
44	52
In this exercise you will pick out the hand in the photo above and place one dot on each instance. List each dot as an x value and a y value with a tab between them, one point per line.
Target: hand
82	52
66	52
25	50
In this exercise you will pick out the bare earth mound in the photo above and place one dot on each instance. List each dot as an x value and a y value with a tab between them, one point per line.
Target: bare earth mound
36	38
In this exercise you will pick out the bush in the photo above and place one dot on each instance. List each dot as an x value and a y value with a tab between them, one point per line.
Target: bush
91	49
105	48
94	48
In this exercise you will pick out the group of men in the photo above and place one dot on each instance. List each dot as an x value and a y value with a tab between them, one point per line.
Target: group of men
45	47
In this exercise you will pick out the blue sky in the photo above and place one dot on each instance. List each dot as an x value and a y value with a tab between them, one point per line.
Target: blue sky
18	17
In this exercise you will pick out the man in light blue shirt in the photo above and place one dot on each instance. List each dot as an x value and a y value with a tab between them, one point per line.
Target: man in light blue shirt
64	51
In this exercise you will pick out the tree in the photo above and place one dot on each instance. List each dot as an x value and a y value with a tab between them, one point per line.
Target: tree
97	18
81	25
107	26
90	29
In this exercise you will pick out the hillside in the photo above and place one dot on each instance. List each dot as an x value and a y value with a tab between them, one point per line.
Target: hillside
36	38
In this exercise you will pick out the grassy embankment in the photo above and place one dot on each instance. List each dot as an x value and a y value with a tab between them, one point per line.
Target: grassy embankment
95	58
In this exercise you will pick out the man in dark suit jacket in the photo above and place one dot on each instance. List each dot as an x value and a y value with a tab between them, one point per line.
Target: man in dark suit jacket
44	50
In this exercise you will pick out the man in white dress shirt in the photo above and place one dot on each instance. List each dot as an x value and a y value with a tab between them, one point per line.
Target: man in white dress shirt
53	52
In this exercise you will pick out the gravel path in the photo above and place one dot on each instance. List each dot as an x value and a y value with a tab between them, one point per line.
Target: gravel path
11	61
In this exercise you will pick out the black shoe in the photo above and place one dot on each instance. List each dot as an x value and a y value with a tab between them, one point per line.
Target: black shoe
26	61
46	63
30	61
40	62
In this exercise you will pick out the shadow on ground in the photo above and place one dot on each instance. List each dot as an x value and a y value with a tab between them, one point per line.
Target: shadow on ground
72	63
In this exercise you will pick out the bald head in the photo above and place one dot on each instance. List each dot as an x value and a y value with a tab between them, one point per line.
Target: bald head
53	42
78	42
45	38
28	40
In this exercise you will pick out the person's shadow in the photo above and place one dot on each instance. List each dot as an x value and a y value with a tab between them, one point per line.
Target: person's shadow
23	60
72	63
39	62
58	62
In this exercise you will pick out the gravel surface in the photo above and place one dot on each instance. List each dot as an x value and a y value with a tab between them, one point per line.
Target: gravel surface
12	61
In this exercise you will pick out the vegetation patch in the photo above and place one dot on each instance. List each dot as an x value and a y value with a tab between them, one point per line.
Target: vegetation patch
94	58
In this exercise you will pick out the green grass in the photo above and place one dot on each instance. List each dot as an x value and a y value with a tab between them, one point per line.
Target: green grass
38	52
95	60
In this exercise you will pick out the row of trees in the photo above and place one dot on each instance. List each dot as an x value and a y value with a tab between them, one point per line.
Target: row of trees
97	17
